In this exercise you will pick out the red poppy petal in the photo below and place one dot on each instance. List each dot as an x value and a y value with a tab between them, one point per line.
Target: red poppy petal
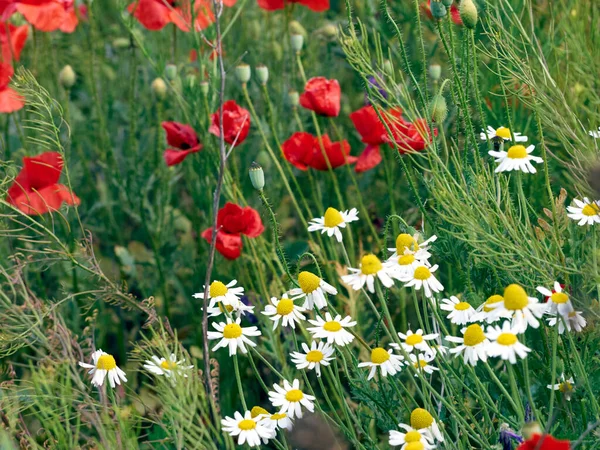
230	218
152	14
322	96
338	154
18	35
253	223
236	123
369	158
367	123
70	21
10	101
455	13
44	17
315	5
271	5
548	443
173	156
298	149
45	200
180	135
228	245
43	170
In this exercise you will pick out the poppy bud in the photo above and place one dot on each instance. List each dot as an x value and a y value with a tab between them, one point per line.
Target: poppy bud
121	42
190	80
435	72
262	74
257	176
159	87
438	10
296	28
276	50
438	110
294	98
67	77
447	3
297	42
204	87
242	73
531	428
468	13
388	68
171	72
328	31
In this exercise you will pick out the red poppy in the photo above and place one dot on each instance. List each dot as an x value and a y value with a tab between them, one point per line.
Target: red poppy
236	123
156	14
368	159
50	16
10	101
322	96
228	245
12	40
454	12
410	137
8	7
304	150
36	189
315	5
368	125
298	149
183	138
545	442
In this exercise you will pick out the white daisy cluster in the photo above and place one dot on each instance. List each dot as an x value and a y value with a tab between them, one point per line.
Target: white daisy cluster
423	432
517	157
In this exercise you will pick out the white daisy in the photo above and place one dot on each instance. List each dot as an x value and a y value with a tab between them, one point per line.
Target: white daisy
586	212
523	310
385	360
558	302
332	329
291	399
574	322
421	362
410	439
505	343
332	221
416	340
313	288
564	386
460	312
370	269
516	158
220	292
502	133
595	133
473	345
421	420
104	365
423	277
404	266
405	241
277	421
248	429
232	335
313	357
436	349
484	312
240	308
167	367
286	310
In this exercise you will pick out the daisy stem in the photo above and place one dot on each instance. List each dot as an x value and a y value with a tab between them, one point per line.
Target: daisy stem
536	413
386	311
515	390
517	410
268	364
239	382
553	370
522	199
418	310
595	260
328	401
257	373
582	372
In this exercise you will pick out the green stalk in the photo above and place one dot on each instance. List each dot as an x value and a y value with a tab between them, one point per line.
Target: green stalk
239	382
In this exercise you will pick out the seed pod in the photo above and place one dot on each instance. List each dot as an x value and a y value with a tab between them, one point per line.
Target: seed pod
297	42
296	28
243	73
294	98
171	72
190	80
435	72
204	87
438	109
257	176
438	10
159	87
468	13
447	3
67	77
262	73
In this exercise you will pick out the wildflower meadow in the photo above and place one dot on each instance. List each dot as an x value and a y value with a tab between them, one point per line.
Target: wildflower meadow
300	224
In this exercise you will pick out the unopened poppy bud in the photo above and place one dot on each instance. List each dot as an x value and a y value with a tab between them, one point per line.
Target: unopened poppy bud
121	42
262	73
468	13
296	28
190	80
67	77
297	42
447	3
242	73
438	10
294	98
204	87
171	72
328	31
257	176
438	109
159	87
388	68
435	72
531	428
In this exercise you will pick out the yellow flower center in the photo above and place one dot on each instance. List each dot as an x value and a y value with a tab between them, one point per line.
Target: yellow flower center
559	297
517	152
515	297
462	306
314	356
295	395
217	289
106	362
414	446
406	241
332	218
420	418
565	387
285	307
224	308
422	273
332	326
258	411
232	331
507	339
379	355
490	301
278	416
590	210
405	260
414	339
503	132
247	424
370	265
473	335
168	365
420	364
412	436
308	282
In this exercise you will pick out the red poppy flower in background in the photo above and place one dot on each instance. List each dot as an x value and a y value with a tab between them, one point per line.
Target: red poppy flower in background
10	101
298	149
36	189
322	96
547	443
315	5
8	7
368	159
303	150
368	125
12	40
454	12
156	14
50	16
183	138
228	245
410	137
236	123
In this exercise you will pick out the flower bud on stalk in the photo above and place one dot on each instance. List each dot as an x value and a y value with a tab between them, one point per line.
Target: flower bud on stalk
468	13
204	87
257	176
294	98
121	42
447	3
296	27
438	109
67	77
297	42
531	428
435	72
438	10
243	73
159	87
171	72
262	74
190	80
